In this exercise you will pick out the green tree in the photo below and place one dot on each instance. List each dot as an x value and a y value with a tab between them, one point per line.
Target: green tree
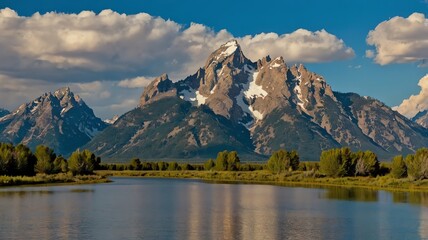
208	165
366	163
336	162
45	158
25	160
162	166
186	166
232	161
417	164
82	162
60	165
221	161
283	160
294	160
398	167
136	164
172	166
7	162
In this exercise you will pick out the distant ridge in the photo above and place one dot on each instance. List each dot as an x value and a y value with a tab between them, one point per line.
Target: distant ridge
60	120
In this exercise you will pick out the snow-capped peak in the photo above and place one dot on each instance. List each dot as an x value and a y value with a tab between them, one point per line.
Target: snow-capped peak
228	49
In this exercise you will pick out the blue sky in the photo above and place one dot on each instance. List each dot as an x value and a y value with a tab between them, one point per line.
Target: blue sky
349	21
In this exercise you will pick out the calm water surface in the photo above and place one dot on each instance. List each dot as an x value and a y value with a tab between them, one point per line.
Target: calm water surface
137	208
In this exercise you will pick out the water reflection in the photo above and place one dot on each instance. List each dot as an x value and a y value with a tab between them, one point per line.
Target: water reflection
351	194
187	209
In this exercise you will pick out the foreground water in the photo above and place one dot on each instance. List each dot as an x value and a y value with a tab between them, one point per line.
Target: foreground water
137	208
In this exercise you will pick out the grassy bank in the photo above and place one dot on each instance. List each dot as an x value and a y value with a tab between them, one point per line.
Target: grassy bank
60	178
296	178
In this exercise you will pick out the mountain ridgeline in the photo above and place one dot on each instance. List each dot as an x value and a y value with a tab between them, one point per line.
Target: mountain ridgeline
255	108
60	120
3	112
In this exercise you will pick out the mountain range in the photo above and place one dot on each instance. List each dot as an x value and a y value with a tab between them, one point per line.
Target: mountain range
256	108
60	120
231	103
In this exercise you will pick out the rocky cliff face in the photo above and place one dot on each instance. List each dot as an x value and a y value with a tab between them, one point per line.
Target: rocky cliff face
262	106
60	120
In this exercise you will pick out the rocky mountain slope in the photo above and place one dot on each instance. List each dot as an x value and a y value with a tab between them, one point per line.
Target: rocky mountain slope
60	120
254	107
421	118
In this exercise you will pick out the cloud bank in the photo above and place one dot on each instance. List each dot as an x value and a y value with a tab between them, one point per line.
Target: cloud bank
400	40
415	103
120	51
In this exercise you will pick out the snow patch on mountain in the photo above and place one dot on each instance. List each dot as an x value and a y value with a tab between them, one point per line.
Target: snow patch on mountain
231	48
192	96
249	91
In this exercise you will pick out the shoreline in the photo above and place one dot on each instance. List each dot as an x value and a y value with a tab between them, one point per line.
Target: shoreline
292	180
51	180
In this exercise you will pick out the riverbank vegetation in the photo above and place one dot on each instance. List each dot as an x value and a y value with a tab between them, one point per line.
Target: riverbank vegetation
19	165
337	167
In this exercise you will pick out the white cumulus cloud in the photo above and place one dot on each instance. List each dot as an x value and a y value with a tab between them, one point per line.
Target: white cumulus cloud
299	46
137	82
114	53
400	40
415	103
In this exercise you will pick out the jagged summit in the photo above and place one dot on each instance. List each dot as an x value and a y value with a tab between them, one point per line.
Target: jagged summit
60	120
241	90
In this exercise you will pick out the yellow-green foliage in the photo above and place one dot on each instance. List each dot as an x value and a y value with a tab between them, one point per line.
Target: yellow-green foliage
283	160
336	162
417	164
227	161
398	167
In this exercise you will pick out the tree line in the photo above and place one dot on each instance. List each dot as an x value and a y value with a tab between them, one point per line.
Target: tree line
21	161
338	162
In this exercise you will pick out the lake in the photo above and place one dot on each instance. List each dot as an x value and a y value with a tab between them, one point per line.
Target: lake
140	208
